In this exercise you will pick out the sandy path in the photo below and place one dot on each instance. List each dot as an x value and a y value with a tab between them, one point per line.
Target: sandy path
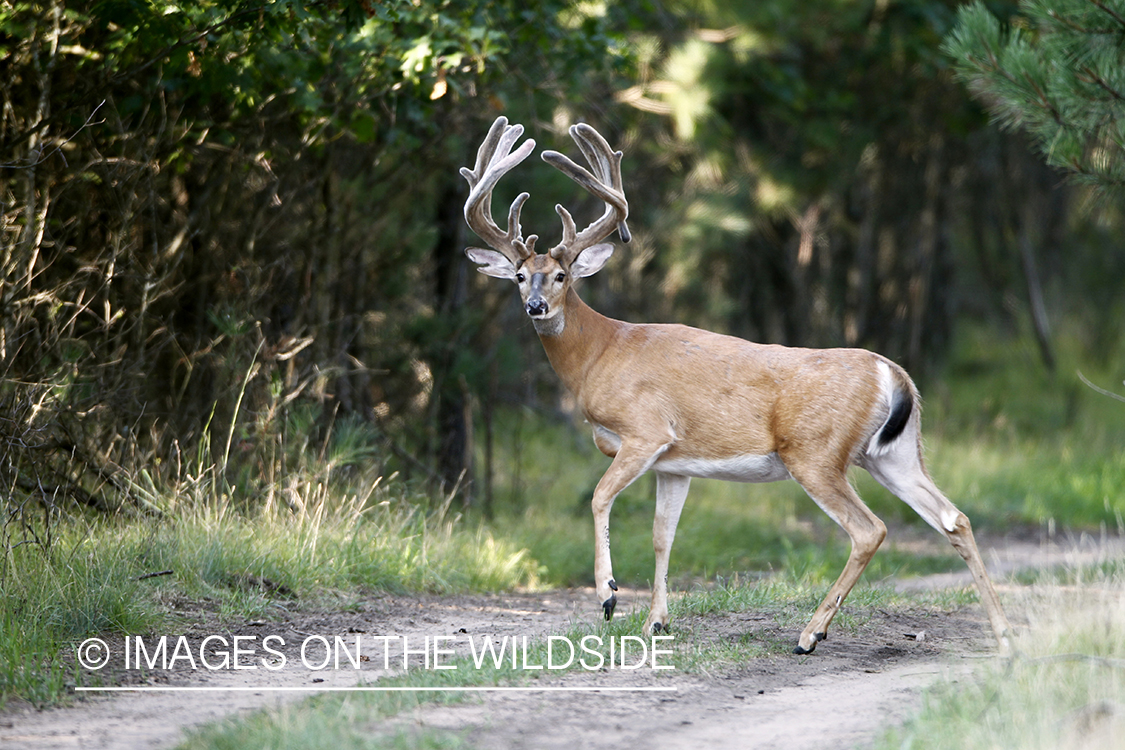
840	697
823	712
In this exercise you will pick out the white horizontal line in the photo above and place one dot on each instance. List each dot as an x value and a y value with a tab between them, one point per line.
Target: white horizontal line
367	689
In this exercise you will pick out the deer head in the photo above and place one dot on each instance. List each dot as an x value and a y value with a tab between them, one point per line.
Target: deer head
544	279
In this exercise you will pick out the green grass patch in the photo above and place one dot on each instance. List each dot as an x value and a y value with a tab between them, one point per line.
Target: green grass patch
784	593
83	585
326	552
91	579
1012	443
337	722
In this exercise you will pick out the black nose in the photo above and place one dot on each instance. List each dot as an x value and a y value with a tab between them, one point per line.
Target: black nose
537	307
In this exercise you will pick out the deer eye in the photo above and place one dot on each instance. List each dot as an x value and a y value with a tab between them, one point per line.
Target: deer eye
520	278
560	277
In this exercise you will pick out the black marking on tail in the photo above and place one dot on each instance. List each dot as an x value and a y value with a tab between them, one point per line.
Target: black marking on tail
901	407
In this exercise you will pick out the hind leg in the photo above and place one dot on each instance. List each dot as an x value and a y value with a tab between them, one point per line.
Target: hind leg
830	489
899	468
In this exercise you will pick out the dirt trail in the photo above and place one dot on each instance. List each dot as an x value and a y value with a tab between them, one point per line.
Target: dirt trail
840	697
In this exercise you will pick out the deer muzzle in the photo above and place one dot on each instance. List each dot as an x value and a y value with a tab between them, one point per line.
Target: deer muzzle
536	305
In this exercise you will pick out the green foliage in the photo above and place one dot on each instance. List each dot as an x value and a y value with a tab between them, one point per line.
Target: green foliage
214	213
222	63
816	148
1057	70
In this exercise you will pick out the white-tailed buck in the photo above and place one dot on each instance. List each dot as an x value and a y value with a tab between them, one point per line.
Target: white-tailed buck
689	403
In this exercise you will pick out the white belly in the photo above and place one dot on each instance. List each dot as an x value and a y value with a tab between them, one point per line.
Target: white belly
746	468
749	467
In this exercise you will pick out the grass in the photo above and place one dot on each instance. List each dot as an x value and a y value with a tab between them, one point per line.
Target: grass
801	594
1064	688
390	545
89	582
50	598
1013	443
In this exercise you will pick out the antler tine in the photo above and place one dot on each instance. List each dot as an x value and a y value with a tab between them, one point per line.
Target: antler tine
485	151
493	162
596	150
593	146
605	184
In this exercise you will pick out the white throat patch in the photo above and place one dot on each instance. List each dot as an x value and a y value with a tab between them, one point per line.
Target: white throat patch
552	325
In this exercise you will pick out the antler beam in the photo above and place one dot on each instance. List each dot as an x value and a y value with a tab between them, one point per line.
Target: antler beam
604	183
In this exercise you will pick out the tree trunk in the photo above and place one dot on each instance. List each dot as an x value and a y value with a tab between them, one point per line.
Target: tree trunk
454	418
1028	233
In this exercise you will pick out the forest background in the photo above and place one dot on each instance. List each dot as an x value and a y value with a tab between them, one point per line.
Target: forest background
231	239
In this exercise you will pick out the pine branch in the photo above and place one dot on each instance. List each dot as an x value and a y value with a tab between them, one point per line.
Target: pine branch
1094	78
1114	14
1044	102
1060	85
1079	28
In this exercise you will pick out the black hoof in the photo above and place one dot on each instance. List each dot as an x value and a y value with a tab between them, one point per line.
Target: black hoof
658	627
609	605
817	638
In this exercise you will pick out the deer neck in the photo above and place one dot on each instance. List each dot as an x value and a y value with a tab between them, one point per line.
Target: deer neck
575	339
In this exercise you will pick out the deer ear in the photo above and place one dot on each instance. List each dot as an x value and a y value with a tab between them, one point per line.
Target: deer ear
591	260
492	263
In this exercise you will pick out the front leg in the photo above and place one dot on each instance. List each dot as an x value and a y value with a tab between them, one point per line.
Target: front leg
633	459
671	491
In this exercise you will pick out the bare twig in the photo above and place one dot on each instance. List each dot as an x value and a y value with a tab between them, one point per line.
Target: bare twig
154	575
1101	661
1114	14
42	157
1102	391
